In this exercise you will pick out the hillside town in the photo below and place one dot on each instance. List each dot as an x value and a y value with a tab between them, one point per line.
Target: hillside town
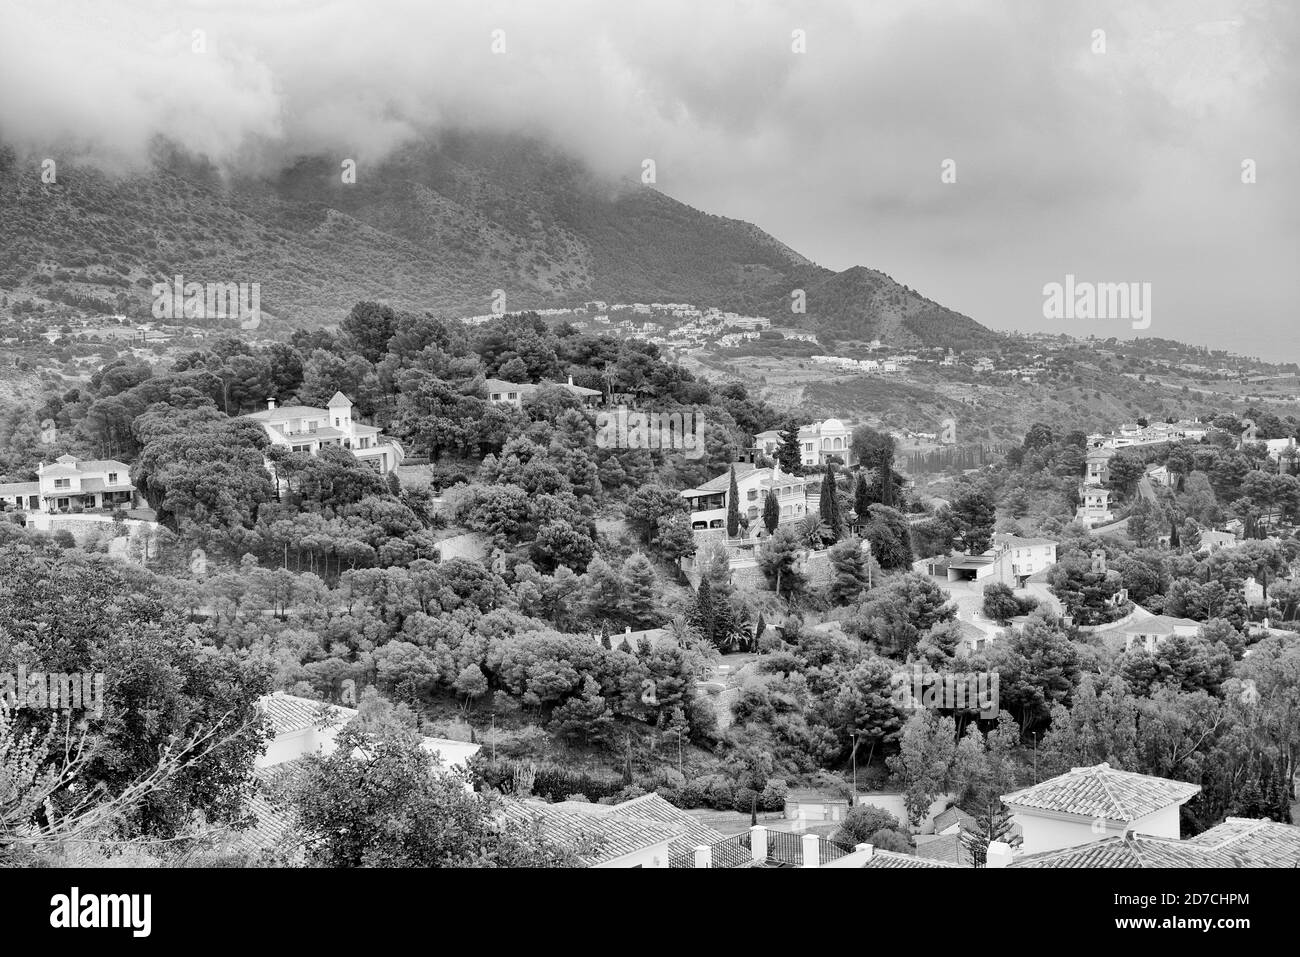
441	443
1171	549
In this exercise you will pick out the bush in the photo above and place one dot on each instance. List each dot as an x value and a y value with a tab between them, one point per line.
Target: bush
717	791
690	796
863	821
745	800
887	839
672	795
774	795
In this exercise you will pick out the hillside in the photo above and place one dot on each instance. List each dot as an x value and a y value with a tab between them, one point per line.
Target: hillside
438	226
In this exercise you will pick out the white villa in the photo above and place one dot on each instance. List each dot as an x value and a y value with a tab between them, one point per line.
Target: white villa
69	483
708	502
821	441
1099	466
818	442
513	393
1085	805
303	428
1029	556
1094	506
1147	631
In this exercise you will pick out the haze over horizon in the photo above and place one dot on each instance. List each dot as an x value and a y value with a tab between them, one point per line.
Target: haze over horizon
1122	166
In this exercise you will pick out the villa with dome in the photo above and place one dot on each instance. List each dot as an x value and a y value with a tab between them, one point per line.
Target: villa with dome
818	443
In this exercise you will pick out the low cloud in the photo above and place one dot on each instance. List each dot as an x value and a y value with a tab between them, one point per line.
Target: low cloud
1068	160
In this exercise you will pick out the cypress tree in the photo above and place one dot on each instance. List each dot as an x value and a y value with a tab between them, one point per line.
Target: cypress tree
885	476
787	454
703	616
733	507
829	503
862	498
771	511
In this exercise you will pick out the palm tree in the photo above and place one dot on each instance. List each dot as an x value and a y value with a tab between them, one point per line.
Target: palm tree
813	532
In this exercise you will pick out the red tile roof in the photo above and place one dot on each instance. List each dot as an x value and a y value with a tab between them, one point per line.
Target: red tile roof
1103	792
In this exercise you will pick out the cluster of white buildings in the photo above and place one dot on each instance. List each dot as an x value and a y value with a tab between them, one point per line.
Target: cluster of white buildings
1132	434
897	364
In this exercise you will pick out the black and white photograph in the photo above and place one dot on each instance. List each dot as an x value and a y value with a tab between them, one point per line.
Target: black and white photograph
481	436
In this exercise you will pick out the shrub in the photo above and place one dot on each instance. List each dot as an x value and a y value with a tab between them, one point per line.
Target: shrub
774	795
887	839
672	795
718	791
863	821
744	800
690	796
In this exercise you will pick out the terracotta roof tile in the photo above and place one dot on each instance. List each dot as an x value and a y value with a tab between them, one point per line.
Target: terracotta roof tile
1103	792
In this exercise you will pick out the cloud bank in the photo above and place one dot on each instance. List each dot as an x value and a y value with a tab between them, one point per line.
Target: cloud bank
1118	166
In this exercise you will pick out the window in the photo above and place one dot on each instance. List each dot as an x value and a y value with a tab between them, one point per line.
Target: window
752	495
112	478
336	421
514	395
63	483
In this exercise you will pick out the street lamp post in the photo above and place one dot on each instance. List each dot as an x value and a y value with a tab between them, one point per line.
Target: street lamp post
853	736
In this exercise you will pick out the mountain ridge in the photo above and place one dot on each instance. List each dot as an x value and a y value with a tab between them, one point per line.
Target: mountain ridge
440	225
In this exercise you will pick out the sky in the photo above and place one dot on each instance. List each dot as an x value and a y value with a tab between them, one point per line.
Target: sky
1112	156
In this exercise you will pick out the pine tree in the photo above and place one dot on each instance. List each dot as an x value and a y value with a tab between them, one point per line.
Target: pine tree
733	507
848	572
771	511
993	823
1173	533
638	589
758	632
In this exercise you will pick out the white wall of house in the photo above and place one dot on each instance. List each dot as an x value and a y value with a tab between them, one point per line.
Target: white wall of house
654	856
297	744
1045	831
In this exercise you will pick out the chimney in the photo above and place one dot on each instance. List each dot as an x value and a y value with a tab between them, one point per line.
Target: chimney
758	843
868	849
998	854
570	380
627	629
703	856
812	853
270	402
